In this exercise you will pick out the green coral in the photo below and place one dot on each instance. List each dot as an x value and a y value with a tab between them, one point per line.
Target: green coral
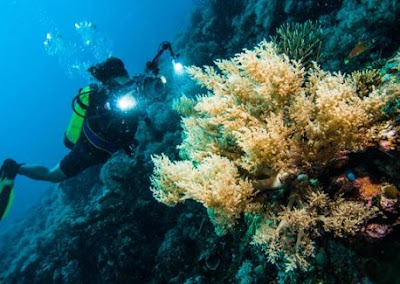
301	42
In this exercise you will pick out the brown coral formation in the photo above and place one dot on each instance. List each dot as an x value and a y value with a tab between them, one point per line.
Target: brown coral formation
386	136
366	81
265	124
290	235
275	117
215	183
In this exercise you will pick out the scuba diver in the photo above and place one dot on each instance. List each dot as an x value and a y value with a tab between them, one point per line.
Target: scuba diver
105	119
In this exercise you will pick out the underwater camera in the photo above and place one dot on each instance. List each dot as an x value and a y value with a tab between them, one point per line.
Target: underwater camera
150	85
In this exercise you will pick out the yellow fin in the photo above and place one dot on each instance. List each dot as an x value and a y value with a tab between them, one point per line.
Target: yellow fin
10	202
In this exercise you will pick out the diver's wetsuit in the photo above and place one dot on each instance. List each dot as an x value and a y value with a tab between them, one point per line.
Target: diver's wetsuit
117	128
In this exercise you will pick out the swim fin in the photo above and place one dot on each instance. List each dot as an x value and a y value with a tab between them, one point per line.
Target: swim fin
8	172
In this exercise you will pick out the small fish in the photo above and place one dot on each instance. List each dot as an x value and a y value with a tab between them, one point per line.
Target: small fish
351	176
359	48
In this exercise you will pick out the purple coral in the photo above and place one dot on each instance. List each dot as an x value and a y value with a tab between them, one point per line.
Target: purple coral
377	231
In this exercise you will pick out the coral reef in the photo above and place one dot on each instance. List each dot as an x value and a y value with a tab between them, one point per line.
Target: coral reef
76	240
215	183
288	173
291	234
264	123
222	28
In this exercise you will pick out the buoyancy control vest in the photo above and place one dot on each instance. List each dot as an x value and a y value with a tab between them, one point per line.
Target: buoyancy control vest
80	104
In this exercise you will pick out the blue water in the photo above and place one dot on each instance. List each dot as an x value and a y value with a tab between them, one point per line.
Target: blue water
38	83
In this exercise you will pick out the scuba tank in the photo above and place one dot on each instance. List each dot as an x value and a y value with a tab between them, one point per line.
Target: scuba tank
80	105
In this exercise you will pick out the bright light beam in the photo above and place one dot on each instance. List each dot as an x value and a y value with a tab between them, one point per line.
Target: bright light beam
126	102
178	67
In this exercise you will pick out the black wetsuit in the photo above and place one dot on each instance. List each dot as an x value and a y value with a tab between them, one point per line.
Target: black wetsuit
110	124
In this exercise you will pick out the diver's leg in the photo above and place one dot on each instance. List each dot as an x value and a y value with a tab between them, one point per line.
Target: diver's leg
43	173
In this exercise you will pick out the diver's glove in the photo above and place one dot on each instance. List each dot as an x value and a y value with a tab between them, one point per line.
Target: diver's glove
9	169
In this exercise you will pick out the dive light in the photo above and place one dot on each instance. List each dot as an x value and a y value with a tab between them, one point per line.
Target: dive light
126	102
122	102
